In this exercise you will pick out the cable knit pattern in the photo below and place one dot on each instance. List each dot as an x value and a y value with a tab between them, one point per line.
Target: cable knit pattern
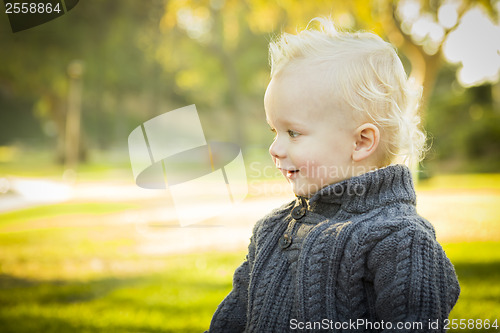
363	253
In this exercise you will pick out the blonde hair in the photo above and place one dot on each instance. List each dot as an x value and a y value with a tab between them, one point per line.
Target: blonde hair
371	78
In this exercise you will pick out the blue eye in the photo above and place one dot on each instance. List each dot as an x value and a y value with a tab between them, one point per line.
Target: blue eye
293	134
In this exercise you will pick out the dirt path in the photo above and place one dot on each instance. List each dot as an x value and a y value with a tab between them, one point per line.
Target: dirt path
457	215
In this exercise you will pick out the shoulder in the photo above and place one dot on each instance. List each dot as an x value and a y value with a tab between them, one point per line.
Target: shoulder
363	232
395	221
400	242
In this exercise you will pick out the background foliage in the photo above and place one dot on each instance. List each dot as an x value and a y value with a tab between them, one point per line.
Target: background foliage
142	60
81	262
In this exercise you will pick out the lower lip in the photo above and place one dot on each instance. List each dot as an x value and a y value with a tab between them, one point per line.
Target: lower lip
289	174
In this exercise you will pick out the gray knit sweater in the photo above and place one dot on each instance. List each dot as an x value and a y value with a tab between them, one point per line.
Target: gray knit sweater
354	257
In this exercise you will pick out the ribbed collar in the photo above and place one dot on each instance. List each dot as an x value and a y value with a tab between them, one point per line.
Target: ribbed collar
367	191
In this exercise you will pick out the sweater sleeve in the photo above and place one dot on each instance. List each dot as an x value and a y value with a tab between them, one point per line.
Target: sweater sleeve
414	282
230	315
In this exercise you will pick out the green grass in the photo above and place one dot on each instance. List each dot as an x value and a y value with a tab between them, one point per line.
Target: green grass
62	270
20	162
181	298
70	268
478	268
50	211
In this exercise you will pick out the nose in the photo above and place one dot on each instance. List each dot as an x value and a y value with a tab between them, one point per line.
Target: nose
277	149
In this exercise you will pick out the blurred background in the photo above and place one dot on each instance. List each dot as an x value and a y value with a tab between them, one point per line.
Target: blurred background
83	249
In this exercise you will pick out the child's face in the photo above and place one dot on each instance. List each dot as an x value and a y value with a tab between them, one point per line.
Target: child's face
314	139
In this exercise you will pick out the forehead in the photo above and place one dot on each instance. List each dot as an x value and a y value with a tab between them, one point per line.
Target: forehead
303	89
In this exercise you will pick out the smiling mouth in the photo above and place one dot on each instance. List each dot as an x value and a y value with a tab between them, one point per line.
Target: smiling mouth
289	173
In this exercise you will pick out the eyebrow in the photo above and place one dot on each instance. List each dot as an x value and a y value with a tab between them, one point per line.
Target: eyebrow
290	125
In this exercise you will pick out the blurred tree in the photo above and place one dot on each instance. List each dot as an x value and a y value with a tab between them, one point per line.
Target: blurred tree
420	29
105	36
464	126
143	60
218	51
223	33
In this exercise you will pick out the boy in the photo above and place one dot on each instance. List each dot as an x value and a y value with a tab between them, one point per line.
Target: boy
350	253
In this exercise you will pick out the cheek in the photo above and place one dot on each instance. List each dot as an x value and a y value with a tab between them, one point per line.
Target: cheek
323	161
303	156
312	164
314	154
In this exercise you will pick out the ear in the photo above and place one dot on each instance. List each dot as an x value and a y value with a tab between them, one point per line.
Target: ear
367	138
